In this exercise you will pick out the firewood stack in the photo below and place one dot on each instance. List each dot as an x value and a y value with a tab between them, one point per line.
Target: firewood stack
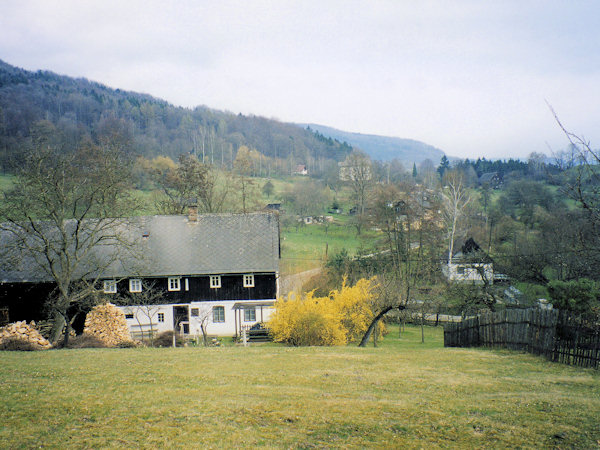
107	323
25	333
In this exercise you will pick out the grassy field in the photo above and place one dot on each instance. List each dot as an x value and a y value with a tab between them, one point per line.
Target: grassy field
402	394
305	248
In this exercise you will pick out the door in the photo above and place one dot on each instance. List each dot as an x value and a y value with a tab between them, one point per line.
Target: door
181	315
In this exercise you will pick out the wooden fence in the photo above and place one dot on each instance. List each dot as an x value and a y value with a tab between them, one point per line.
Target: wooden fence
557	335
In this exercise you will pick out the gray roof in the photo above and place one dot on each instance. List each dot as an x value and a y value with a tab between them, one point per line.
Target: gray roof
487	177
174	245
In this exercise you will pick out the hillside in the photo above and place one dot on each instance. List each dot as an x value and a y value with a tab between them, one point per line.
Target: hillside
80	107
383	148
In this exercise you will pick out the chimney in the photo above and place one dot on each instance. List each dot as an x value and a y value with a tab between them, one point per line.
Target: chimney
193	213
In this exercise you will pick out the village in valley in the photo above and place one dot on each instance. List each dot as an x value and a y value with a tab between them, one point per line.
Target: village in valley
186	276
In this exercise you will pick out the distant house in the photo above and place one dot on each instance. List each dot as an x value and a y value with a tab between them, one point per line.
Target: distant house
216	270
491	179
273	207
301	170
469	264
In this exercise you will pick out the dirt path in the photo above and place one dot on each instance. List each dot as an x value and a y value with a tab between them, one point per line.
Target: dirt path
294	282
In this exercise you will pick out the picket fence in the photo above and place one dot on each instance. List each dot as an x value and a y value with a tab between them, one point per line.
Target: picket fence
557	335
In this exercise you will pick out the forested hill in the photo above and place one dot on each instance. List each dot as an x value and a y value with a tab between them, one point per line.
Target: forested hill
383	148
80	107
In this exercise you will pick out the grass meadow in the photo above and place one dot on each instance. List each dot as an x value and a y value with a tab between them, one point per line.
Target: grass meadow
401	394
307	247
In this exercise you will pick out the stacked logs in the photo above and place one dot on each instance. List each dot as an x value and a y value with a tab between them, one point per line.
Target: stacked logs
107	324
22	336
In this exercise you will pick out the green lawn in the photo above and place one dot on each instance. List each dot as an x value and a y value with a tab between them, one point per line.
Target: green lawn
401	394
306	248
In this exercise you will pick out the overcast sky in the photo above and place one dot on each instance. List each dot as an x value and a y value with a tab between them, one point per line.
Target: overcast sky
469	77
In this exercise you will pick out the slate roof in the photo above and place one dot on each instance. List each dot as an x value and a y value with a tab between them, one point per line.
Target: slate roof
489	177
174	245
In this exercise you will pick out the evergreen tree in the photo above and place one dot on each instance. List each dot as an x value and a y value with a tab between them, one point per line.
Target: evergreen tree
444	165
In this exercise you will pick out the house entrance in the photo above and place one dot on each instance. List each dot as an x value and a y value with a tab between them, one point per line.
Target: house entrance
181	319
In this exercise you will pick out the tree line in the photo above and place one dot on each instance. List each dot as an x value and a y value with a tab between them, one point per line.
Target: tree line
78	108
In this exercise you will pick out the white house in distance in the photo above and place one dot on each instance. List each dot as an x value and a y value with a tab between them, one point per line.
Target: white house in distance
469	264
219	271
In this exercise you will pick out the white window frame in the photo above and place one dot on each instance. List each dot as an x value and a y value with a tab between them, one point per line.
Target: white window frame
135	285
248	310
220	308
174	284
248	280
215	281
110	286
160	317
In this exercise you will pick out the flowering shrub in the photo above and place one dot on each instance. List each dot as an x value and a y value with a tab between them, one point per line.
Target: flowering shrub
340	318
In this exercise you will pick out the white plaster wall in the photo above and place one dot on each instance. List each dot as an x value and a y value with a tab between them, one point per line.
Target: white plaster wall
469	274
226	328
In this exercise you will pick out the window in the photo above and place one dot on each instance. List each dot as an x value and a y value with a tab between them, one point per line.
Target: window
174	284
161	317
250	314
248	280
110	286
215	281
218	314
195	312
135	285
129	316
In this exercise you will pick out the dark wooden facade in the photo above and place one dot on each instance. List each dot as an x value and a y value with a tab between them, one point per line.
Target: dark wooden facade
232	288
26	301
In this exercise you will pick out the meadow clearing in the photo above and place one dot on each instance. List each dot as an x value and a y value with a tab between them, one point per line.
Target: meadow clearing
400	394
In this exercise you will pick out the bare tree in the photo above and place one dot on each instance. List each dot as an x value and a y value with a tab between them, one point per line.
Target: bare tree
584	188
62	218
180	185
455	199
144	306
204	314
243	167
357	171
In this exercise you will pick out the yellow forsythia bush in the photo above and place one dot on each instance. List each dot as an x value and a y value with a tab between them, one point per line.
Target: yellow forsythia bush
342	317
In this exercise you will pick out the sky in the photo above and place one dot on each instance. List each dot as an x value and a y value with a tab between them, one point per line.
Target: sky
473	78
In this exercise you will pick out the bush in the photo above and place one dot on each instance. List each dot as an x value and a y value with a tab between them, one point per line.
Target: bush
579	296
86	340
165	339
340	318
129	344
16	344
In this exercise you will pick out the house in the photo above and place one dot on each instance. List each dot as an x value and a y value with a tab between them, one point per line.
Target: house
301	170
491	179
469	264
218	271
273	207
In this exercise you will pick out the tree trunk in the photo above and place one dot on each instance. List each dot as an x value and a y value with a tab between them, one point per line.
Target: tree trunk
374	322
57	327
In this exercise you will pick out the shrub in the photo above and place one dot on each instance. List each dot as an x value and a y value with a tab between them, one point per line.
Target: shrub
86	340
165	339
129	344
16	344
341	317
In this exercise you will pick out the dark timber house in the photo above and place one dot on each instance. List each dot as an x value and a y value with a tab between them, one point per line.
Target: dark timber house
216	270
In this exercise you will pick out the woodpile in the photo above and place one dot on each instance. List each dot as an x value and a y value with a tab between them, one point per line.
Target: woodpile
22	336
107	323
